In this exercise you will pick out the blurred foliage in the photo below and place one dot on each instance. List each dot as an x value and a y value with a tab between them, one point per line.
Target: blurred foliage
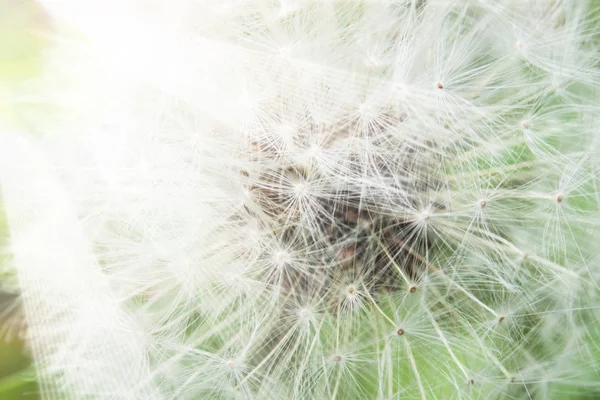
23	25
24	29
16	374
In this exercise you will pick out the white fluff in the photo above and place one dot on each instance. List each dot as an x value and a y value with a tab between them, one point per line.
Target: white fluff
172	223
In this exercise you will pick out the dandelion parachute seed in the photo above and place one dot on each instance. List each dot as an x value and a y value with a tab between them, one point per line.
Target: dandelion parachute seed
313	200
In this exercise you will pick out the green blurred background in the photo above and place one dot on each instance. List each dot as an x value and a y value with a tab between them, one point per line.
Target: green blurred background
24	29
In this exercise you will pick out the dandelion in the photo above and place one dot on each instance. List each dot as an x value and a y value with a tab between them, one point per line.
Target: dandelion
312	199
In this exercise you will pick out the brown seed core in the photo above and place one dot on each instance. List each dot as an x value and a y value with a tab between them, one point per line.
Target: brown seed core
440	85
412	289
559	198
400	332
500	319
337	358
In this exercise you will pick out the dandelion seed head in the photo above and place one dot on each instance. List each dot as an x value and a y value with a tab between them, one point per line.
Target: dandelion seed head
258	199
